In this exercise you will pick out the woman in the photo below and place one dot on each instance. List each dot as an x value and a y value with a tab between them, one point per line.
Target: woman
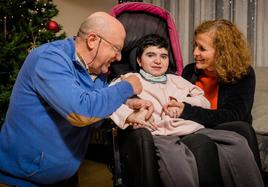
223	70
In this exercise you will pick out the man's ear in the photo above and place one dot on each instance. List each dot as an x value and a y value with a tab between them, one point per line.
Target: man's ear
92	40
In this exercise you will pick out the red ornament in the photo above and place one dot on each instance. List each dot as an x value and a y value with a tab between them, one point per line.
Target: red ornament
53	26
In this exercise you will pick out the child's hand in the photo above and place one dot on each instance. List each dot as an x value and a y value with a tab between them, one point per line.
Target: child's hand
137	120
137	104
173	112
173	108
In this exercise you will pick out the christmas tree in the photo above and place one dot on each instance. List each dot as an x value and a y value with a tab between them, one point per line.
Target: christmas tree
24	25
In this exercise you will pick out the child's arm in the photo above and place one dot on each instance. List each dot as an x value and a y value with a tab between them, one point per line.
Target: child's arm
135	111
125	116
193	94
196	97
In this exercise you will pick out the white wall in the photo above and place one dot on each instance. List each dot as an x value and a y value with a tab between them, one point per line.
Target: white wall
73	12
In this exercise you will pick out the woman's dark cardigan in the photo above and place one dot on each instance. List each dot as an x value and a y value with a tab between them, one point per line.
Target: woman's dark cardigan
235	100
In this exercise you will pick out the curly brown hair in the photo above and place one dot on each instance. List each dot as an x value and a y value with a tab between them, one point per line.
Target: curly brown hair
232	51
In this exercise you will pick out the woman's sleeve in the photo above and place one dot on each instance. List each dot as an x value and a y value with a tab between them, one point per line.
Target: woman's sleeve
235	104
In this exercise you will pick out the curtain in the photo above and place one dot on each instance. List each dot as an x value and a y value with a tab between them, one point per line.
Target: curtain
248	15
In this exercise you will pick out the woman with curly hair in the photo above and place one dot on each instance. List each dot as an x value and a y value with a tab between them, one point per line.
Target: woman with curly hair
223	70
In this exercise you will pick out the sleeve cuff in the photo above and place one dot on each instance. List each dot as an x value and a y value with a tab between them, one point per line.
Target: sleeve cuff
120	116
186	111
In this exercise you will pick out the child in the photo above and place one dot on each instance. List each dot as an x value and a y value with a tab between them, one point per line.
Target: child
160	89
176	161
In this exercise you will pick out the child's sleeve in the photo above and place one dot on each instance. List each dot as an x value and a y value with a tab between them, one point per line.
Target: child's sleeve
119	117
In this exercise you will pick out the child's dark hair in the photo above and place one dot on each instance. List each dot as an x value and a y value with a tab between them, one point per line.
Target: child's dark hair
150	40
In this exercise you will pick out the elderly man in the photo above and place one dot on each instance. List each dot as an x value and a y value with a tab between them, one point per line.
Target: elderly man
61	89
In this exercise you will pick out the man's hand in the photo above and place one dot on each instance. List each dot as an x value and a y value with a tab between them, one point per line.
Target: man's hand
136	104
137	120
134	81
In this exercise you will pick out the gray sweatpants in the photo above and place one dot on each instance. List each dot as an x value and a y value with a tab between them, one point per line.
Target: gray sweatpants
178	167
238	166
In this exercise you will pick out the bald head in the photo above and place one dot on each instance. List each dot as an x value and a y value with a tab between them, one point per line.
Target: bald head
101	23
99	41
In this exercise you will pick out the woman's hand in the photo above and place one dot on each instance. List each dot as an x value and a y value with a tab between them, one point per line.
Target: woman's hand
173	108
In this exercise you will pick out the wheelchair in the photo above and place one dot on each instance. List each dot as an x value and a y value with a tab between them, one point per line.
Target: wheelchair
130	153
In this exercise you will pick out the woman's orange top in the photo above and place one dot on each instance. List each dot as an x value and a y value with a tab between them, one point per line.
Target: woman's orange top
209	83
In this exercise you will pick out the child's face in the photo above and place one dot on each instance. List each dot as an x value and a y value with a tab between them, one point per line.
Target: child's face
154	60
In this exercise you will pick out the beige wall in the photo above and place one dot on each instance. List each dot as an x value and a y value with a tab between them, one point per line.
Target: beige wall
73	12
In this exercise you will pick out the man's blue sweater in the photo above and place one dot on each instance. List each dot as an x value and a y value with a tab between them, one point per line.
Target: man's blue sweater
45	134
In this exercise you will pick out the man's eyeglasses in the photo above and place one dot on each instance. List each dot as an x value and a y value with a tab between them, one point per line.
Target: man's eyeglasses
116	48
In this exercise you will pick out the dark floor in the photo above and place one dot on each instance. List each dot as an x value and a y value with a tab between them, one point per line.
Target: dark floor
94	174
97	174
265	179
91	174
